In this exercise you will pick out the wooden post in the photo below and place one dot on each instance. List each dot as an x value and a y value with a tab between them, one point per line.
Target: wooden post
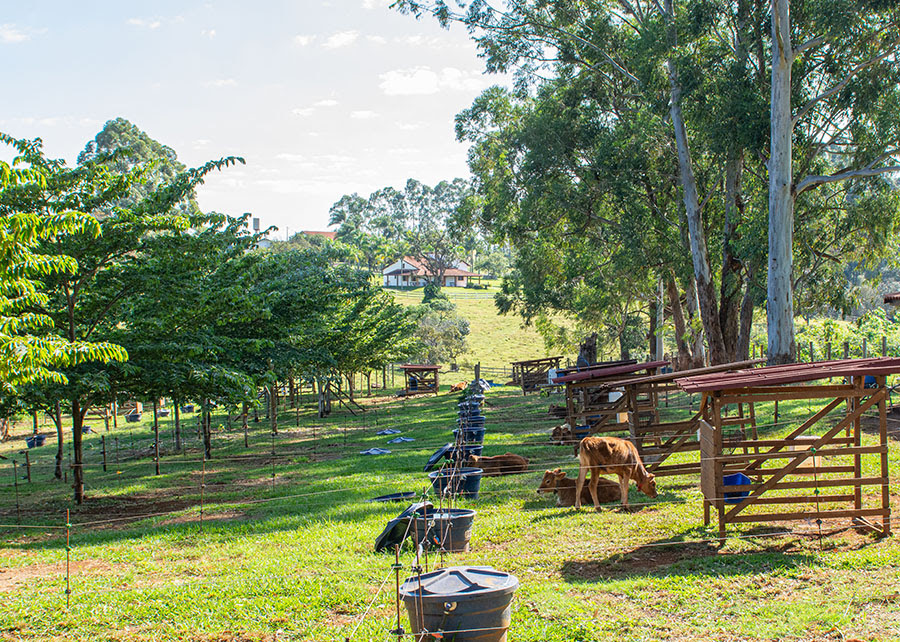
155	434
103	450
865	349
846	349
883	346
828	351
177	411
244	423
28	467
477	371
812	354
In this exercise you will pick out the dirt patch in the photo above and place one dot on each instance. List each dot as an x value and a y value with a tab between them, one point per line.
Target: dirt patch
870	425
194	518
11	578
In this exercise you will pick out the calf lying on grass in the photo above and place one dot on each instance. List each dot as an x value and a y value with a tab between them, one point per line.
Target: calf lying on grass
563	435
507	464
459	387
611	455
555	481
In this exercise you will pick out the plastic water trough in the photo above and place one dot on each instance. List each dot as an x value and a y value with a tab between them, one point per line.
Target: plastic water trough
737	479
133	417
461	603
447	529
35	440
469	435
471	422
457	481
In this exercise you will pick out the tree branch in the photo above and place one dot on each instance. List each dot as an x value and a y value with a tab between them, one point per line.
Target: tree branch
811	182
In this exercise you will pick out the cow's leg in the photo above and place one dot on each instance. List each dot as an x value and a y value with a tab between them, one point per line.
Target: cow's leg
623	489
595	480
579	485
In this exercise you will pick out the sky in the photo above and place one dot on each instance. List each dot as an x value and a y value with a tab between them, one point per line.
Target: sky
321	97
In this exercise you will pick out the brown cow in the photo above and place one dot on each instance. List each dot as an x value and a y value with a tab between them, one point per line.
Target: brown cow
611	455
555	481
562	435
507	464
560	412
459	387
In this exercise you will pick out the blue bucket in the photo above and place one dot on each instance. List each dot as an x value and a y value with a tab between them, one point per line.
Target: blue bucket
737	479
580	432
456	481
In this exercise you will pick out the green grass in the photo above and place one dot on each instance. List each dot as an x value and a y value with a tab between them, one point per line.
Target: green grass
294	560
496	340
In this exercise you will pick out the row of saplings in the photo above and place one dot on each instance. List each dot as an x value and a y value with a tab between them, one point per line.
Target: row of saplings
474	602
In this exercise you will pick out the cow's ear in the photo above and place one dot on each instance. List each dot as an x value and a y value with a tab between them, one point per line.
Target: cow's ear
556	471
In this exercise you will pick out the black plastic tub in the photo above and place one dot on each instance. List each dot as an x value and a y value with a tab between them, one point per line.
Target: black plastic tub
462	603
462	452
469	435
448	529
457	481
472	422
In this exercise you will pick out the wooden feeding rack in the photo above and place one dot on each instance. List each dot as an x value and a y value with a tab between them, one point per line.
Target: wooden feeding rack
656	440
420	378
590	400
531	374
815	472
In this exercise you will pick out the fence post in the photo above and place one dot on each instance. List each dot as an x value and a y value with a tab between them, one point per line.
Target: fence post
16	483
811	352
477	371
865	349
846	349
828	351
28	466
68	555
883	345
103	450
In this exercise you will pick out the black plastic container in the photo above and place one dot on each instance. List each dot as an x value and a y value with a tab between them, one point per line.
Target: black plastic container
462	451
448	529
457	481
469	435
461	603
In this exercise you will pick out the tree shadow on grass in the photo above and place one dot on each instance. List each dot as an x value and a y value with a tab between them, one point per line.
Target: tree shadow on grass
693	552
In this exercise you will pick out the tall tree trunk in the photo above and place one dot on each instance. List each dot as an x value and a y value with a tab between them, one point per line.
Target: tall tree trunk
684	358
77	451
651	337
244	426
57	419
779	297
730	292
206	422
273	414
694	311
746	324
709	312
34	422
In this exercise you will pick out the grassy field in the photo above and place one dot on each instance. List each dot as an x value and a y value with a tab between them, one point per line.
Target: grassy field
495	340
285	548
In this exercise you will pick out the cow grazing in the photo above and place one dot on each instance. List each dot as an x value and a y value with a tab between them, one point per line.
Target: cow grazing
555	481
459	387
560	412
507	464
563	435
611	455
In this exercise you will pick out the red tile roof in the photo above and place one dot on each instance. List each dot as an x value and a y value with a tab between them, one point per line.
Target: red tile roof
328	235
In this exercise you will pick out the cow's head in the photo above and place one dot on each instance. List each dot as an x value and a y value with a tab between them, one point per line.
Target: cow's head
648	485
550	480
474	461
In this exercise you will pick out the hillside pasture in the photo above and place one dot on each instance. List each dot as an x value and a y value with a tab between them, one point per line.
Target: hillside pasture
285	550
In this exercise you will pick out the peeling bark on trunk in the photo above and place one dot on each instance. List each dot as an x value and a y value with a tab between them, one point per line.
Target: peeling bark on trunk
684	357
779	297
699	353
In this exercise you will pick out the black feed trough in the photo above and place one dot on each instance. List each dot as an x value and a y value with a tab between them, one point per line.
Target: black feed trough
395	497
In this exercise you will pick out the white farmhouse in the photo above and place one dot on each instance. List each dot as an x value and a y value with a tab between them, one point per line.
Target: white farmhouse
410	272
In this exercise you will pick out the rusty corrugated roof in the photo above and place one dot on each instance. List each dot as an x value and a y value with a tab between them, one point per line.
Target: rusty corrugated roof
791	373
413	366
610	371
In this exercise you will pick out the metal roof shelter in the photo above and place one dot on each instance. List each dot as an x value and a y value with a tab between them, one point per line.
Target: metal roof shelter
815	472
589	400
531	374
420	378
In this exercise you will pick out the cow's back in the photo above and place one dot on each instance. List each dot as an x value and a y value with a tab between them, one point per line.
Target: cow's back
608	454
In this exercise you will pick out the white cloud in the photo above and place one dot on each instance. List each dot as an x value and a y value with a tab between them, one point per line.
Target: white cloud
363	114
291	158
328	102
221	82
10	34
408	127
141	22
303	112
373	4
302	40
341	39
208	33
423	81
377	40
199	143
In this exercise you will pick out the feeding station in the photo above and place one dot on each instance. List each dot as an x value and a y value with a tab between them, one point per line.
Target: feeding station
816	471
657	440
593	401
420	378
531	374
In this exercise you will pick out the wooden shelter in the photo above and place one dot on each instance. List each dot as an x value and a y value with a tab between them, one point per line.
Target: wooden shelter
591	402
419	378
533	373
815	472
656	440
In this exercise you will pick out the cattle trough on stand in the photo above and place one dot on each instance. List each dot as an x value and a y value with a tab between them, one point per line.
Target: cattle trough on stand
816	471
420	378
531	374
